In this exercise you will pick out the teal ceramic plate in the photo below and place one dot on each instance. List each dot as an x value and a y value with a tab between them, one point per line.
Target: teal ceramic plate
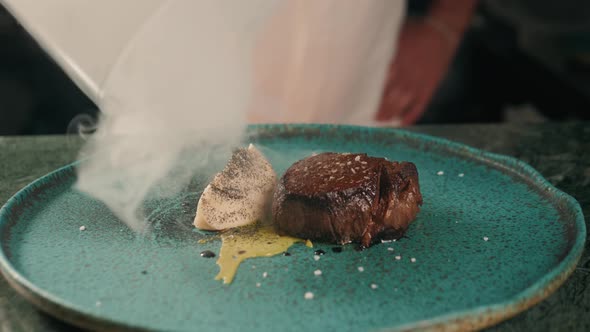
493	238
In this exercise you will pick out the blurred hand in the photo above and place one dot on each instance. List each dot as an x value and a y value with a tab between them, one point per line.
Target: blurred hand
424	53
425	50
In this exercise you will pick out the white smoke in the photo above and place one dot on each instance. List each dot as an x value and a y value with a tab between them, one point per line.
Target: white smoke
176	99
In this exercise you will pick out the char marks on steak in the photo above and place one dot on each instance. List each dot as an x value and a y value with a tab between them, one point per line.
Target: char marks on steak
343	198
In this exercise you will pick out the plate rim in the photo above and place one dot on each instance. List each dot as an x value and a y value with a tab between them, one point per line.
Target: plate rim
472	318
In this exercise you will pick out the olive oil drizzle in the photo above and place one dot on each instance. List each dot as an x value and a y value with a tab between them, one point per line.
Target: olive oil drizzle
251	241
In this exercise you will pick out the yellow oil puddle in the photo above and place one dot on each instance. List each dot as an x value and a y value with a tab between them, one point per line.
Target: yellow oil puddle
252	241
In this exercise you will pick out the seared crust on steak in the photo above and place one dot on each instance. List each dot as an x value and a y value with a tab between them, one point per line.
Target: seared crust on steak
343	198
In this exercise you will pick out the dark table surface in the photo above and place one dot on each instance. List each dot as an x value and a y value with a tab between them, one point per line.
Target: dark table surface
561	152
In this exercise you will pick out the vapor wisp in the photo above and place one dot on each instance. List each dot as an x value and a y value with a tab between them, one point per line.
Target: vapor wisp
172	107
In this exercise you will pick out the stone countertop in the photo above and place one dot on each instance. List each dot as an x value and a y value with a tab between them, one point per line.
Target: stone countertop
561	152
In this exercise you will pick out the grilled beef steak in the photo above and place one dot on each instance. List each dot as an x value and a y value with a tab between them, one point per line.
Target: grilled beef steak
343	198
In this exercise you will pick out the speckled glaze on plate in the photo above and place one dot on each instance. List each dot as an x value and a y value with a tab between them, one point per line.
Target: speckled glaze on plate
493	238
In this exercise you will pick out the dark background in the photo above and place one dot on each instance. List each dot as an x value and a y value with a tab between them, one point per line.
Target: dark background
36	97
497	75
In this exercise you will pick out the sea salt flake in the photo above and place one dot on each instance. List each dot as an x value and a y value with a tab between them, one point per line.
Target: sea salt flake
398	257
265	274
317	272
485	238
82	228
413	260
316	257
308	296
258	284
440	173
374	286
461	175
390	249
361	269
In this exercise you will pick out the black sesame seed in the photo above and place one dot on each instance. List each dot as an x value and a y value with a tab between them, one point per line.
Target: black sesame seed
241	252
319	252
144	272
286	253
207	254
336	249
359	248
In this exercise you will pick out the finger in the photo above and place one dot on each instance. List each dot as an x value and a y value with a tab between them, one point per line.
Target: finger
395	103
414	112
